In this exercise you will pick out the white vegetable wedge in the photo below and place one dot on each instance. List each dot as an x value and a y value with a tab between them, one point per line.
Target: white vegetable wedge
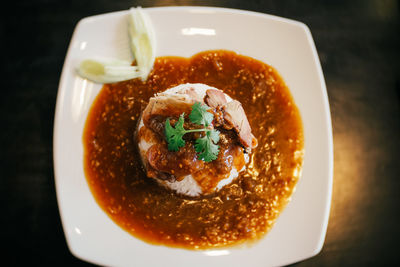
143	42
107	70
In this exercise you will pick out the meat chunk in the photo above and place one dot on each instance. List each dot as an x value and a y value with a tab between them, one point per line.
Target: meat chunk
166	106
215	98
235	117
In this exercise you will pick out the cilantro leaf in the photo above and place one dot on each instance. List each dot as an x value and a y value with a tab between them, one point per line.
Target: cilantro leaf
214	135
200	115
174	135
206	147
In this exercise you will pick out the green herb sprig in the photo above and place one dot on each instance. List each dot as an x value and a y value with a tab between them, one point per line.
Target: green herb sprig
206	146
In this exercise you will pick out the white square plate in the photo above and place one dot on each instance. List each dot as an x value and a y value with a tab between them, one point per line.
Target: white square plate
183	31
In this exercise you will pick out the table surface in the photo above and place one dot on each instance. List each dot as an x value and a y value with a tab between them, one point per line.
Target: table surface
358	45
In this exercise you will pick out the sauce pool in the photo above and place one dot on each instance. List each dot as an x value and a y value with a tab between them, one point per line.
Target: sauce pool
244	210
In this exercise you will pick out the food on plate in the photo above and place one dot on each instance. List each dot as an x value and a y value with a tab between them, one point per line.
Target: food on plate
107	70
143	46
211	98
206	148
142	40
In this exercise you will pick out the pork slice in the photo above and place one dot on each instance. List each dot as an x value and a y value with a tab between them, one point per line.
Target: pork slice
215	98
157	124
166	106
235	117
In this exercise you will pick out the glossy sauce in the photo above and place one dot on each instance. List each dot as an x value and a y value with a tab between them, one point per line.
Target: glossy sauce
242	211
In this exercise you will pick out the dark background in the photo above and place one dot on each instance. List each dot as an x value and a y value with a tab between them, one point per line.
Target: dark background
358	45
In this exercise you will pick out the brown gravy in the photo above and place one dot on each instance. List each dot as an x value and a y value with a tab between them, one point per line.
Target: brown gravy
244	210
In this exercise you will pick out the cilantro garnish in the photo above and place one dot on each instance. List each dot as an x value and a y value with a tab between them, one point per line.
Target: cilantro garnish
206	146
174	135
200	115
